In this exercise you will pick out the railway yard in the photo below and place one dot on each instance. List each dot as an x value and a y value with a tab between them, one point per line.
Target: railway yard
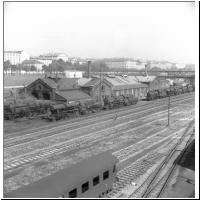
138	135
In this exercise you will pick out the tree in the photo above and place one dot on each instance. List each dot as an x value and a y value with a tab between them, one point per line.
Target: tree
45	68
33	68
14	67
6	65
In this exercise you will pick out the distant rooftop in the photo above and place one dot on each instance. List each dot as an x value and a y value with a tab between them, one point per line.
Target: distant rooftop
13	51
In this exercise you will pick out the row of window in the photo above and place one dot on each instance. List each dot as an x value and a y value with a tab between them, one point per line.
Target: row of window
85	186
135	92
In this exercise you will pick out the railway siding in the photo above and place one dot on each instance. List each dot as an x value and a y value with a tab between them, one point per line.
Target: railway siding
113	137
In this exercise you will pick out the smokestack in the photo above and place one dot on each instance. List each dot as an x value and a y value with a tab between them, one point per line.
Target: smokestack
146	69
89	69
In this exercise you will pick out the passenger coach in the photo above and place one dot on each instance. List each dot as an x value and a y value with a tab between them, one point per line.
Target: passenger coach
93	177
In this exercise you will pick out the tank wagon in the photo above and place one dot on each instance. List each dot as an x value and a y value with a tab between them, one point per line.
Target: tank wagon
173	90
91	178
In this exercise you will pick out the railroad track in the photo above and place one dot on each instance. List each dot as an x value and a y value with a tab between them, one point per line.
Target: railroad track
56	131
130	173
67	135
150	188
75	122
76	143
138	168
51	132
159	189
58	149
54	140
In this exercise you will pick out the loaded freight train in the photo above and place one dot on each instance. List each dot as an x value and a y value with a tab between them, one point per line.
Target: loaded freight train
55	110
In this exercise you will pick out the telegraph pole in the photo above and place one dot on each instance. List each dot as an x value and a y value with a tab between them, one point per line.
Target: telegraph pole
168	110
100	88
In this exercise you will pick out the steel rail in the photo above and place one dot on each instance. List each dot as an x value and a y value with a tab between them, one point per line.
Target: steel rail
160	167
92	116
11	141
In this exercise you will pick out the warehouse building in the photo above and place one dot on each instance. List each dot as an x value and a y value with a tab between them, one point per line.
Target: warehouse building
114	85
56	89
154	82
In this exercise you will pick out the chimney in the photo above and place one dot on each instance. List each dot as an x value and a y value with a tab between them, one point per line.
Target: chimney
146	69
89	69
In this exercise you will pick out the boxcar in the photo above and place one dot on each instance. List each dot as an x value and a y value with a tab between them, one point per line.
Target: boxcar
93	177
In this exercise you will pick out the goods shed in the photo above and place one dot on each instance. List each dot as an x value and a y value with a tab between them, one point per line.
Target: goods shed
56	89
154	82
92	177
115	86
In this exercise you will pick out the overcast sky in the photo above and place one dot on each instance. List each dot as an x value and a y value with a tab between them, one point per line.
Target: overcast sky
153	30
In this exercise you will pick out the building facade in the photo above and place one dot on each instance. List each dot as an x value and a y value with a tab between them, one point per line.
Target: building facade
154	82
73	74
125	64
56	89
47	59
114	86
29	63
15	57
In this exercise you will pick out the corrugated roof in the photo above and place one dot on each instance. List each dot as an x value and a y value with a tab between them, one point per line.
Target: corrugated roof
92	82
119	82
66	179
72	95
83	81
67	83
50	82
145	78
61	83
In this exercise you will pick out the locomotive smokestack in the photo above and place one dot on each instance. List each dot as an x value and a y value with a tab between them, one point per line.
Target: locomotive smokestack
89	69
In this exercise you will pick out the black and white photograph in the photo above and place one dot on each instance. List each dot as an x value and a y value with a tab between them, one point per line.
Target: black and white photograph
100	99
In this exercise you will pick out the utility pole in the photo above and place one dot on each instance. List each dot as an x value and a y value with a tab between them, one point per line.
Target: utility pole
168	110
100	88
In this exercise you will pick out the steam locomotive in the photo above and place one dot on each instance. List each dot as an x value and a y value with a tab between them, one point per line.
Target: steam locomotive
59	110
173	90
62	110
56	111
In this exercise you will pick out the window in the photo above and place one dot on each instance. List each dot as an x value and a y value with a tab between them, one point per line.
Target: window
95	180
105	175
114	168
85	187
73	193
